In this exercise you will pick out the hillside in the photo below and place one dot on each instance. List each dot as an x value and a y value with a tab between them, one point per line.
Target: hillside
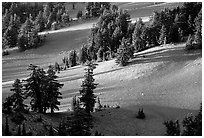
166	83
165	80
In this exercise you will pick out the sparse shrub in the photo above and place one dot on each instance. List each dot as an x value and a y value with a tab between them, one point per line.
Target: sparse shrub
140	114
172	128
79	14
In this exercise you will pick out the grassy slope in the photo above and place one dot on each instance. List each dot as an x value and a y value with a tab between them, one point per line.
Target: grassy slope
14	65
169	78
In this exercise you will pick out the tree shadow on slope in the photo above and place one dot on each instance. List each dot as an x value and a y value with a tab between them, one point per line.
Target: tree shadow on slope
175	54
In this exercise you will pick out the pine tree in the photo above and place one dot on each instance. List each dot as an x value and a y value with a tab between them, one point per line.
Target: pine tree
5	21
198	29
39	22
124	52
137	40
22	42
117	36
87	91
52	90
11	33
18	96
163	35
83	54
35	86
72	58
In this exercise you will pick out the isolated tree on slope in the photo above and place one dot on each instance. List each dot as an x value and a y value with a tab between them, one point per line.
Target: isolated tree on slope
88	86
52	90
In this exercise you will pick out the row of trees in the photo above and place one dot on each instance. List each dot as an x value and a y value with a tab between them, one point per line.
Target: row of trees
114	27
42	88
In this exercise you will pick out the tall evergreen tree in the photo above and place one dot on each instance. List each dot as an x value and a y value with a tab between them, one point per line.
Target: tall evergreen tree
87	91
5	21
34	87
39	22
163	35
72	58
18	96
124	52
52	90
198	29
137	39
83	54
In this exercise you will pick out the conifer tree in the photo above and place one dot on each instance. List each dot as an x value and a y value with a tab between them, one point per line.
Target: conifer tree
52	90
39	22
198	29
137	39
18	96
5	21
34	87
124	52
87	91
72	58
83	54
163	35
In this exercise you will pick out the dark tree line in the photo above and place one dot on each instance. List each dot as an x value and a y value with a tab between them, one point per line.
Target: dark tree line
167	26
21	22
